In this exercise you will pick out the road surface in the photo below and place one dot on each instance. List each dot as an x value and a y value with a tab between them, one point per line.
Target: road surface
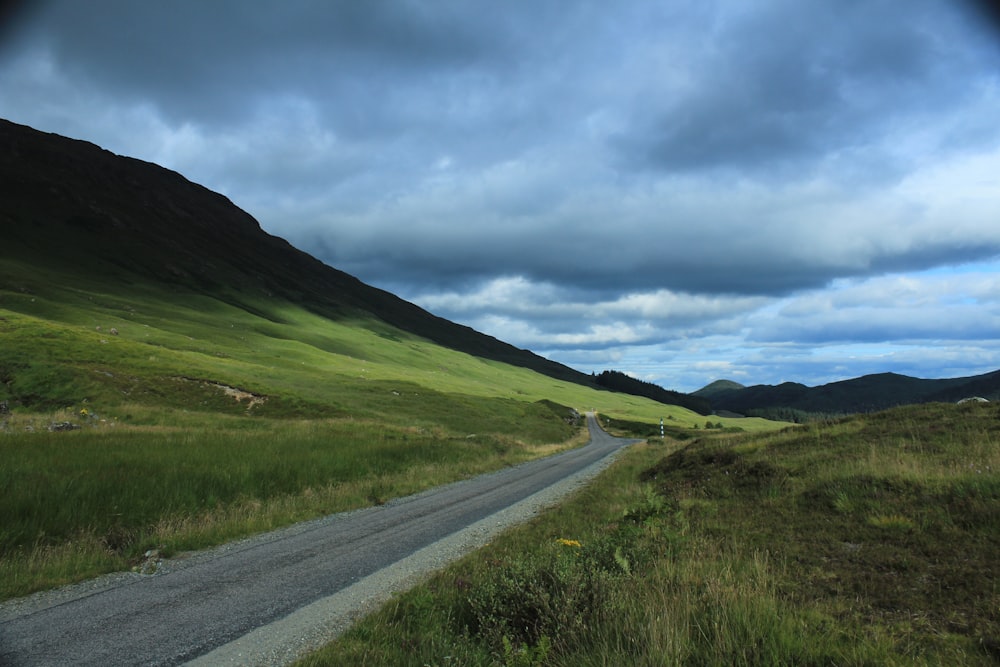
263	600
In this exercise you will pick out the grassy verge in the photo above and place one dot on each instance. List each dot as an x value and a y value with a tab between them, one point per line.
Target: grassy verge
79	503
867	541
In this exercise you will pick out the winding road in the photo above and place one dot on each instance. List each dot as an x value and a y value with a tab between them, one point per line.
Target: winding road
268	599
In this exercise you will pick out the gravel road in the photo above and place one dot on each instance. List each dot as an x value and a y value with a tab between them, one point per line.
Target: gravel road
269	599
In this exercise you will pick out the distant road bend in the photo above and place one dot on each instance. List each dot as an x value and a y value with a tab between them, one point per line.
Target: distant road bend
267	600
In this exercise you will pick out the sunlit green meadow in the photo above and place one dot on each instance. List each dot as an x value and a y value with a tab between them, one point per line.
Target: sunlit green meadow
58	349
201	418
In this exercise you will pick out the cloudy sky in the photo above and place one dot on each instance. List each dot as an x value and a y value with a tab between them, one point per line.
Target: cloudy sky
764	191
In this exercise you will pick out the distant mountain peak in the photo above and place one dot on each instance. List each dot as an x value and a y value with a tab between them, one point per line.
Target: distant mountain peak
868	393
718	387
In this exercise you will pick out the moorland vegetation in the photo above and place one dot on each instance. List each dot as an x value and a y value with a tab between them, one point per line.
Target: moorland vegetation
868	540
172	378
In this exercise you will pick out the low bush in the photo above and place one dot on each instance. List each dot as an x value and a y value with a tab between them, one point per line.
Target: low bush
864	541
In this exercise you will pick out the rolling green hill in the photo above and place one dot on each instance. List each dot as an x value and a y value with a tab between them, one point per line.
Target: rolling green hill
98	240
618	381
70	205
172	377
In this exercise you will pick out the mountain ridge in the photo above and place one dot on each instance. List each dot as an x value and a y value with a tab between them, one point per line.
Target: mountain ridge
867	393
130	218
70	203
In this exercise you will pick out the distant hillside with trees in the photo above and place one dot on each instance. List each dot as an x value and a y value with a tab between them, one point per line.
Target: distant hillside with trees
618	381
792	401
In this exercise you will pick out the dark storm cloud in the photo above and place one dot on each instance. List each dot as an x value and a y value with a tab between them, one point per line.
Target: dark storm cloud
212	61
587	177
416	142
788	84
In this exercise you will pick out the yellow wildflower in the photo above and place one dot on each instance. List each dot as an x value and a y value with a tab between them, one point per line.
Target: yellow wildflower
568	543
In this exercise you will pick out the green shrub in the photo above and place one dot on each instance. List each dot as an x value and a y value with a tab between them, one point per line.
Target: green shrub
553	595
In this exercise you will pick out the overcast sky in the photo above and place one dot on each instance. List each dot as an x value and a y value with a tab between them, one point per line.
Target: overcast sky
804	190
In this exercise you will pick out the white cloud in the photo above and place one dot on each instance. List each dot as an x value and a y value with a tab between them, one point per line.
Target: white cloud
932	324
896	308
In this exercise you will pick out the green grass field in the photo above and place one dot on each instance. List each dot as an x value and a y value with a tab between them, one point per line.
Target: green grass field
89	501
864	541
59	351
205	418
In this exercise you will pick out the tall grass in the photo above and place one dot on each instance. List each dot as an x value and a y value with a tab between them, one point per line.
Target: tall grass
865	541
87	501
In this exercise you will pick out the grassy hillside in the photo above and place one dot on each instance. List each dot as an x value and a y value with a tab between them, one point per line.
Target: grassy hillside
196	419
618	381
68	203
865	541
72	340
172	377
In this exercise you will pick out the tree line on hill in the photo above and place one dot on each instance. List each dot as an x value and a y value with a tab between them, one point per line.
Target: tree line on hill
794	402
618	381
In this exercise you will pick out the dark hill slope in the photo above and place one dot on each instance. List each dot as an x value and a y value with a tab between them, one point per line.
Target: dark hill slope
717	387
69	203
618	381
864	394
